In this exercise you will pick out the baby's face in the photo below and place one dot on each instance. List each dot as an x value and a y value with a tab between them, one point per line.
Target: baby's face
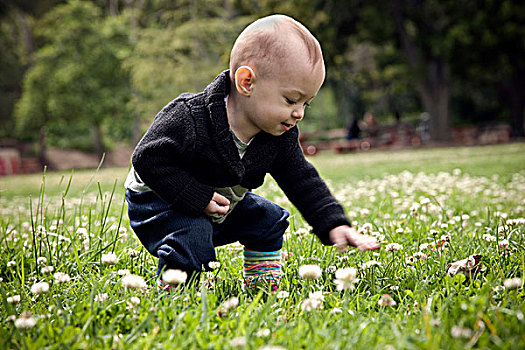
278	102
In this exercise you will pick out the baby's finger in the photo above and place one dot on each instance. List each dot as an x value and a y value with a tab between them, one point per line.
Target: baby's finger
220	199
370	244
220	209
340	244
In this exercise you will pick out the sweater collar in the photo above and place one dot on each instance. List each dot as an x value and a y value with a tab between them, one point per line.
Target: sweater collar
214	95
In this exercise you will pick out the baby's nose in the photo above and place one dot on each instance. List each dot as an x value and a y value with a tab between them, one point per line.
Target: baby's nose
298	113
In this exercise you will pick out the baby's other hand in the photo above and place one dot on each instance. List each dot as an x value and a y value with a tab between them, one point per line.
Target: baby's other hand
218	205
344	236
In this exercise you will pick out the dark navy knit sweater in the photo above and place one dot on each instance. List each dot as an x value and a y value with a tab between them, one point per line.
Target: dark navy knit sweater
189	150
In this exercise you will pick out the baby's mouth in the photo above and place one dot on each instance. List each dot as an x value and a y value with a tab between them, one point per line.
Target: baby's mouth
288	126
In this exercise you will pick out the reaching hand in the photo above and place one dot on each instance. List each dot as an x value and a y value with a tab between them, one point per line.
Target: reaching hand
218	205
344	236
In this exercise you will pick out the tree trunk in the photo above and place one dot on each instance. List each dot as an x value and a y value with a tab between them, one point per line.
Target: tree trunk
349	103
42	148
515	98
435	95
27	36
433	87
98	140
113	7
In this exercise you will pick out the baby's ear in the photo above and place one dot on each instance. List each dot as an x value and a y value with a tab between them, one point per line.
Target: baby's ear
244	80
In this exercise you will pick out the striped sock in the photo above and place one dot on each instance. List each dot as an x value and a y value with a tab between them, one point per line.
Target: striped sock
262	269
164	287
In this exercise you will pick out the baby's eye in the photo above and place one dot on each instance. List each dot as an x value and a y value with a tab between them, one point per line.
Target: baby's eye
289	101
306	105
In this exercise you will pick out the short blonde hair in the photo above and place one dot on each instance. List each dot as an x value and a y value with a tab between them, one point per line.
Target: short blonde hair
263	44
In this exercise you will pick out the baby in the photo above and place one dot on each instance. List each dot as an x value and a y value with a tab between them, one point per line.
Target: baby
189	188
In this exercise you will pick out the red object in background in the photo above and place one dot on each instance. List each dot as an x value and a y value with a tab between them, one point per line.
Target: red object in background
10	161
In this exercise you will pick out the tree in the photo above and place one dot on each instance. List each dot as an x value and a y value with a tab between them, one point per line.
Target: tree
76	83
490	60
183	51
17	47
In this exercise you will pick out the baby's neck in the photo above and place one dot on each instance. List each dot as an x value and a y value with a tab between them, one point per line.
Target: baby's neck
237	120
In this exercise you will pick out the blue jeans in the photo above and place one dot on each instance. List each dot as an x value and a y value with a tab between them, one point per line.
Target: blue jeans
188	242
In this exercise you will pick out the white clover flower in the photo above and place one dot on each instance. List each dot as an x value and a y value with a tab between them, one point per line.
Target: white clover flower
47	269
132	253
82	231
503	229
311	304
424	201
311	272
41	260
40	288
15	299
445	237
282	294
174	277
271	347
512	283
133	282
386	300
61	277
460	332
25	321
109	258
515	222
498	289
367	227
134	301
503	244
101	297
393	247
238	342
11	263
316	295
346	278
488	237
331	269
214	265
336	311
231	303
423	246
123	272
420	255
370	263
262	333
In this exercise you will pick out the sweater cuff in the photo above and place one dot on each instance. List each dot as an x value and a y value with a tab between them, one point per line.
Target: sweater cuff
328	222
194	198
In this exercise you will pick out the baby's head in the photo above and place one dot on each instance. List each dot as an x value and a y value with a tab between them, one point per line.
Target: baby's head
272	43
277	64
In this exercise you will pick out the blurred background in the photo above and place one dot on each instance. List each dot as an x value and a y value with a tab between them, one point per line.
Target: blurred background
80	79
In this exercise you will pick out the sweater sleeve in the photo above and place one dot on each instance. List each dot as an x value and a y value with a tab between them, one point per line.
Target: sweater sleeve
305	188
162	156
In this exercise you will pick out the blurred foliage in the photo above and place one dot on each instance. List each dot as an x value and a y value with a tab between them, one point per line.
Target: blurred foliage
90	73
76	85
183	52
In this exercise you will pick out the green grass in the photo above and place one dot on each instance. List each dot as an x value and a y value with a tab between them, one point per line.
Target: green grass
454	200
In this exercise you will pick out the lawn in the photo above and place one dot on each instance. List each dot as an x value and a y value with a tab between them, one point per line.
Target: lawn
449	273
